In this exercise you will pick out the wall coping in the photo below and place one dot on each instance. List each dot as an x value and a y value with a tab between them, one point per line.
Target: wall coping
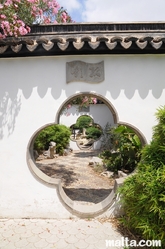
87	38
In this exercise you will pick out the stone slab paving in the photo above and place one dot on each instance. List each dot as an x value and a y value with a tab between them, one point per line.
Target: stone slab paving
54	233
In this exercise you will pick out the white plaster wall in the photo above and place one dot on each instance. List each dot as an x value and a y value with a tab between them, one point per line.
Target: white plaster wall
31	92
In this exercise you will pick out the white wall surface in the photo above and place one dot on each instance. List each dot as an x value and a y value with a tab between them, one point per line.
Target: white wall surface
32	91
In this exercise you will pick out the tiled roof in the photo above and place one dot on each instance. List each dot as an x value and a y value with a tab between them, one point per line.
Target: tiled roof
87	38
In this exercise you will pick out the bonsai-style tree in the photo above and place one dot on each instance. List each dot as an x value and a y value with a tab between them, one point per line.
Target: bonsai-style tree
16	16
84	121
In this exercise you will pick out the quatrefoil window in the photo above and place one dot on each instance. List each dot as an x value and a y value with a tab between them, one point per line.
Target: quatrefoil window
85	132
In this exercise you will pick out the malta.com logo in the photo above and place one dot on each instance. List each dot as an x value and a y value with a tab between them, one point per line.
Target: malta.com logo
125	242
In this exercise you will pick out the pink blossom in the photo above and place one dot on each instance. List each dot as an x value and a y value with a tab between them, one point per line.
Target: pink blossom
8	2
69	106
94	100
2	16
46	20
39	11
2	36
85	99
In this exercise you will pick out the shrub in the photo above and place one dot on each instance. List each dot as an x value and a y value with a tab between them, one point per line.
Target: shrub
143	194
93	132
83	122
143	198
124	149
57	133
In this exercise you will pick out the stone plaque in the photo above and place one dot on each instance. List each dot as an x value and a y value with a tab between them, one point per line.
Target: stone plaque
82	71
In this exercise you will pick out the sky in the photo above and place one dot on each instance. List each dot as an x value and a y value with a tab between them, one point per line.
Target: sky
115	10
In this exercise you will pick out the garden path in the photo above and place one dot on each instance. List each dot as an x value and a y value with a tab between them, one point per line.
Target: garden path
79	180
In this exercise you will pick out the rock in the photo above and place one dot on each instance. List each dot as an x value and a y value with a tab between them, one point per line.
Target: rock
52	149
95	161
40	157
35	154
121	174
67	151
45	153
89	142
107	174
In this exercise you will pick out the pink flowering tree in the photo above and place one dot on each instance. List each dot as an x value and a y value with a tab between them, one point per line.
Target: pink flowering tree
82	101
16	16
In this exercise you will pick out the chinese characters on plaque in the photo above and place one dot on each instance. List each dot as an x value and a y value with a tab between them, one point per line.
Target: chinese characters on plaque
82	71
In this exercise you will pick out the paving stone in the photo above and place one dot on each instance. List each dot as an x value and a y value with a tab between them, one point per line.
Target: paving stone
44	234
62	244
62	234
71	239
10	245
42	243
100	235
73	231
52	239
55	230
6	226
101	244
81	244
71	246
21	243
14	238
48	226
37	230
30	246
91	239
51	246
31	226
57	223
66	227
93	247
1	237
69	234
92	230
82	235
3	242
27	234
108	230
20	229
8	233
24	222
33	239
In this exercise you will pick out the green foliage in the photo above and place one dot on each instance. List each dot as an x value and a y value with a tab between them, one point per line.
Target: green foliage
159	129
57	133
143	197
154	153
93	132
143	194
84	122
125	149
